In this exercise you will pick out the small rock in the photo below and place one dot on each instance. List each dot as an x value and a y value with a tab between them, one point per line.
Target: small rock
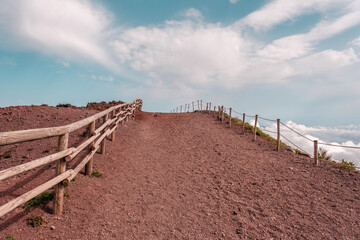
290	150
52	228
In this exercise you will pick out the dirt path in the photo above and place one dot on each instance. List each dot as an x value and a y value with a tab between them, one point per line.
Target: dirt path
187	176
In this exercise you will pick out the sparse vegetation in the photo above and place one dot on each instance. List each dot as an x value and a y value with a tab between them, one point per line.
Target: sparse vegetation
10	237
35	221
64	105
66	194
345	165
24	157
7	155
96	174
39	200
236	122
73	180
323	154
297	151
29	149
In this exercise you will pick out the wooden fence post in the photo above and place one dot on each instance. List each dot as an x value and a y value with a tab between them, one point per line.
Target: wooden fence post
102	149
219	113
256	118
316	160
113	133
60	168
209	107
89	165
180	108
244	123
193	106
122	122
214	111
200	105
222	114
278	135
230	117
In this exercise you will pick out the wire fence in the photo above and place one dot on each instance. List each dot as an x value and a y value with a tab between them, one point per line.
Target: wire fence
199	105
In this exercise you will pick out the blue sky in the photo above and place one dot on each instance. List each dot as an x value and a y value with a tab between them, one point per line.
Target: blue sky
288	59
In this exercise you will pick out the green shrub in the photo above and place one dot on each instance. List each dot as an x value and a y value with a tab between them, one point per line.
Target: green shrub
39	200
7	155
345	165
96	174
10	237
35	221
323	154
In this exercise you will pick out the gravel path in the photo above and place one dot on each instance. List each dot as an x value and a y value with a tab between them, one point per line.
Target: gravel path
188	176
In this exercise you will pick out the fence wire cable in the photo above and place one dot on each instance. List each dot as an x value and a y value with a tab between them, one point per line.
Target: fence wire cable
249	116
236	112
263	129
295	144
335	145
267	119
296	132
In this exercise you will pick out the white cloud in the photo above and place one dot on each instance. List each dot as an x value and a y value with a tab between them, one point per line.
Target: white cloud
108	78
278	11
193	13
70	29
62	62
355	42
343	135
233	1
207	55
301	44
324	62
182	55
194	53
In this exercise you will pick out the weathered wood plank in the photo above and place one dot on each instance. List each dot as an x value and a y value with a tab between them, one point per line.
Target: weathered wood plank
34	164
82	146
34	134
11	205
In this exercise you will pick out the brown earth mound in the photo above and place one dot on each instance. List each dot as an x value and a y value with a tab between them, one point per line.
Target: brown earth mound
102	105
188	176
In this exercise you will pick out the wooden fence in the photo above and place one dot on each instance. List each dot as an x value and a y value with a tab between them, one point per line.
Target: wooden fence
220	114
96	140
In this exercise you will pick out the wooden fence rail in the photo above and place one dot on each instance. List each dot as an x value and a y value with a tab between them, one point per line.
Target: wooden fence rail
96	140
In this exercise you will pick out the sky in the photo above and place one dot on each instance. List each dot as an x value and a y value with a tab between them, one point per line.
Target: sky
294	60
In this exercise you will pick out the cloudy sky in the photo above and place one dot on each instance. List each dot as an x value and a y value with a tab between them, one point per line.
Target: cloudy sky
288	59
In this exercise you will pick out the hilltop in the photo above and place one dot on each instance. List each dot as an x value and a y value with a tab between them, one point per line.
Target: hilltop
175	176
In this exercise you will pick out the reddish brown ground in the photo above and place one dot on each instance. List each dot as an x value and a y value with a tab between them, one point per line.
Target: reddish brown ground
188	176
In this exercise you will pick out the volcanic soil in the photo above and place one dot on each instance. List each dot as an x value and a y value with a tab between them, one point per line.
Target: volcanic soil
180	176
